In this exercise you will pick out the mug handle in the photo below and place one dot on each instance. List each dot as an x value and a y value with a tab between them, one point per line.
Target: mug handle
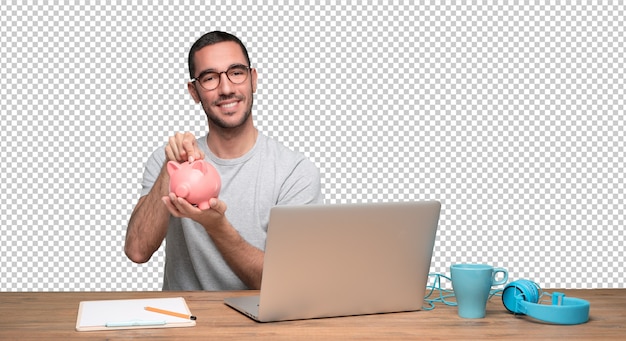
504	279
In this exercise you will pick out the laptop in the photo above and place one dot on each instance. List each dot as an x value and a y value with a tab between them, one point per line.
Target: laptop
344	259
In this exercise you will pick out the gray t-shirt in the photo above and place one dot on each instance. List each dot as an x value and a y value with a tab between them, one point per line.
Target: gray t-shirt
268	175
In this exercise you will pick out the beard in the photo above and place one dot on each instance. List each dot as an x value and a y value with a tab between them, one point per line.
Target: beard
221	122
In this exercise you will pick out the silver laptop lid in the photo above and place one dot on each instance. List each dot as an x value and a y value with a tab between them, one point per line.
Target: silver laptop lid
349	259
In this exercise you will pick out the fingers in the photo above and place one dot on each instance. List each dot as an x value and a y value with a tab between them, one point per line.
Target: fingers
186	144
179	207
183	147
169	203
218	205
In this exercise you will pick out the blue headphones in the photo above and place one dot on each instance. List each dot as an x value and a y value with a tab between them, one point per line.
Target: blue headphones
522	297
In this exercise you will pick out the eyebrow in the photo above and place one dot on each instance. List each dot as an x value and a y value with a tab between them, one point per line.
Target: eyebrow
204	72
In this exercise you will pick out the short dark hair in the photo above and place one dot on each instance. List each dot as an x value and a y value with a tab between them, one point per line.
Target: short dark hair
212	38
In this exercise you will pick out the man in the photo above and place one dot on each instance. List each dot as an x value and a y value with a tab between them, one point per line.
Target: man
216	248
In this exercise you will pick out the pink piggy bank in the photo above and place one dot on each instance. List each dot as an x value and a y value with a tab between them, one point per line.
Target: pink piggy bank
197	181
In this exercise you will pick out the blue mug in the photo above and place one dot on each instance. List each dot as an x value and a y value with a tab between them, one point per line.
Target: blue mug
471	284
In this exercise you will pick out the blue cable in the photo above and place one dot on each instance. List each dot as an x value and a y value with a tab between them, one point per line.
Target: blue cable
445	294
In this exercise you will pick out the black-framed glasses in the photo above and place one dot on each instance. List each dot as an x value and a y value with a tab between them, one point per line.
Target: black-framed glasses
210	80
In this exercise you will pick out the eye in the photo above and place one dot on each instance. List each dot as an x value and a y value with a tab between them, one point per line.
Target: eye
209	77
236	71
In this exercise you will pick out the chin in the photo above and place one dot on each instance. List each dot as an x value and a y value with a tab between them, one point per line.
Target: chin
229	120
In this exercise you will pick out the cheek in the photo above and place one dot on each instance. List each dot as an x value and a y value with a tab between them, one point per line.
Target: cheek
205	100
205	105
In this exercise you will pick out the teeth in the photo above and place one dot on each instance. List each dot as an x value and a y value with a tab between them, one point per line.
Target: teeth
229	105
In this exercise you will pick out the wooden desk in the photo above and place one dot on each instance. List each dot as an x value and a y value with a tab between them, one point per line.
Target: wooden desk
53	316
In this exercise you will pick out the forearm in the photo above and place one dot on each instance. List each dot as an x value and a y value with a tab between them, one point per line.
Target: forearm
244	259
148	223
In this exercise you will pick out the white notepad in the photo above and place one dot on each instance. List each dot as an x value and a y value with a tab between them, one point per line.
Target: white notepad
131	314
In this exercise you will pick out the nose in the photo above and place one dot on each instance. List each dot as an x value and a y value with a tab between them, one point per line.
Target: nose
183	190
225	87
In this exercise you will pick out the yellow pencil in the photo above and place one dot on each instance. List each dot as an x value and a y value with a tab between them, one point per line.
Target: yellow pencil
171	313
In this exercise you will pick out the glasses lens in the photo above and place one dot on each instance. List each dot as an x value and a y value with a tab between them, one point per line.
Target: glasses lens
209	81
237	74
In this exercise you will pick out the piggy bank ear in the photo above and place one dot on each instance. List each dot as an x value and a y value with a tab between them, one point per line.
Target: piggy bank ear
172	167
199	165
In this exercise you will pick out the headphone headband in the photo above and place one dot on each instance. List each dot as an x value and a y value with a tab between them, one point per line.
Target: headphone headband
521	297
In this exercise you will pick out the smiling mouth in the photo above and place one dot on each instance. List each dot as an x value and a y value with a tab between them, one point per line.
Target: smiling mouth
228	105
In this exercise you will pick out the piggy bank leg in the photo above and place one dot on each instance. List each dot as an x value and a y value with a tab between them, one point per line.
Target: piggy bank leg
204	205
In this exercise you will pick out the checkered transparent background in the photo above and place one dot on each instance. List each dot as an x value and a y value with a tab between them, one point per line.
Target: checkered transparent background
511	115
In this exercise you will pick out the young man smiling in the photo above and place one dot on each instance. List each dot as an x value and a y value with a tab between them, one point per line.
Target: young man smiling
219	249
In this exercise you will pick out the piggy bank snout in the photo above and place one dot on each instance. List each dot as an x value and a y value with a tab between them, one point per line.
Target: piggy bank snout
182	190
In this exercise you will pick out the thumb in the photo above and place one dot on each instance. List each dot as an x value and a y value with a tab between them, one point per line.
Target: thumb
217	205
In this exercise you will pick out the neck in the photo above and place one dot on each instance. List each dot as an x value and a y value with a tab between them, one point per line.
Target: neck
231	143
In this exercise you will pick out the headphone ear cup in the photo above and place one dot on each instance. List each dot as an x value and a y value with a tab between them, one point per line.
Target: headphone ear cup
516	292
522	297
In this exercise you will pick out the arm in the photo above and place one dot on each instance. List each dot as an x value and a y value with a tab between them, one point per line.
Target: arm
245	260
149	220
148	223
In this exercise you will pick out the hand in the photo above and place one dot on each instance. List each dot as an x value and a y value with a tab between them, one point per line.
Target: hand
210	218
183	147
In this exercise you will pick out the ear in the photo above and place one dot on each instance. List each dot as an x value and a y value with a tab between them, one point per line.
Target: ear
199	165
191	87
254	79
172	167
